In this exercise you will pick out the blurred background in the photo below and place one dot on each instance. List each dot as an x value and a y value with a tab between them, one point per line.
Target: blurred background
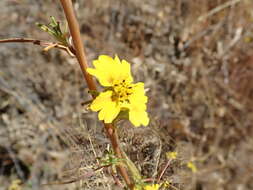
196	59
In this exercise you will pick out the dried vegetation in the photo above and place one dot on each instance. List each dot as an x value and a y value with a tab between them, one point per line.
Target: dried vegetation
196	60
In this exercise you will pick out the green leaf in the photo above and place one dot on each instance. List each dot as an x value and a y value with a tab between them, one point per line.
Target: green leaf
54	29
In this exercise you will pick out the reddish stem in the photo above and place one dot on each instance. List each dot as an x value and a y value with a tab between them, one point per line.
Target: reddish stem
80	55
163	171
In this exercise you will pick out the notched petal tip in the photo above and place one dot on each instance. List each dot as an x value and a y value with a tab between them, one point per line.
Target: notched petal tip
116	58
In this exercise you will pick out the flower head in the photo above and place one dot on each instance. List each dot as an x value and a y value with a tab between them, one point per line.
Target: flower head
120	94
171	155
192	166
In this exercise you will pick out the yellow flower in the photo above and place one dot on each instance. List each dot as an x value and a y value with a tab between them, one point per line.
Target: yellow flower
167	184
121	94
152	187
171	155
147	187
15	185
192	166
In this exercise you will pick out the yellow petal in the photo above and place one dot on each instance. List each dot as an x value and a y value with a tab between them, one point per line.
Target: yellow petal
101	100
139	87
138	116
152	187
105	70
138	95
138	99
109	71
104	78
126	71
116	58
108	109
109	112
105	59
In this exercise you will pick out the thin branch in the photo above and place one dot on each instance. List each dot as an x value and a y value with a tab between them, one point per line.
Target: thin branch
163	171
34	41
47	45
218	9
84	176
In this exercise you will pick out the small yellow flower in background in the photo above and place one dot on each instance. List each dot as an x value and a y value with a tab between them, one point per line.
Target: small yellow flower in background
248	39
120	94
148	187
192	166
15	185
171	155
167	184
152	187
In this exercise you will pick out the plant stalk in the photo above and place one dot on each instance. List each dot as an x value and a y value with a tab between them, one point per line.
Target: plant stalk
82	60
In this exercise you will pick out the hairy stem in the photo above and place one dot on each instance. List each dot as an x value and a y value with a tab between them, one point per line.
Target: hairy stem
81	57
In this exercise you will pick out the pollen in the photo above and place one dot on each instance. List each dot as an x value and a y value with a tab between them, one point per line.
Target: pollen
122	91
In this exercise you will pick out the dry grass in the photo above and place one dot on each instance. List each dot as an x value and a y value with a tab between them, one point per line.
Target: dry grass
199	78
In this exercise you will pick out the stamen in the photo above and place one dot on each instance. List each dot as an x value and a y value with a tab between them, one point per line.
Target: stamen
122	90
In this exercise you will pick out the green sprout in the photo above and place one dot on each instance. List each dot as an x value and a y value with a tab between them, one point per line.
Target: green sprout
54	29
109	158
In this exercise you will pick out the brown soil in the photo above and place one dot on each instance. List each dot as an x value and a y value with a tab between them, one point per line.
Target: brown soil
198	71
